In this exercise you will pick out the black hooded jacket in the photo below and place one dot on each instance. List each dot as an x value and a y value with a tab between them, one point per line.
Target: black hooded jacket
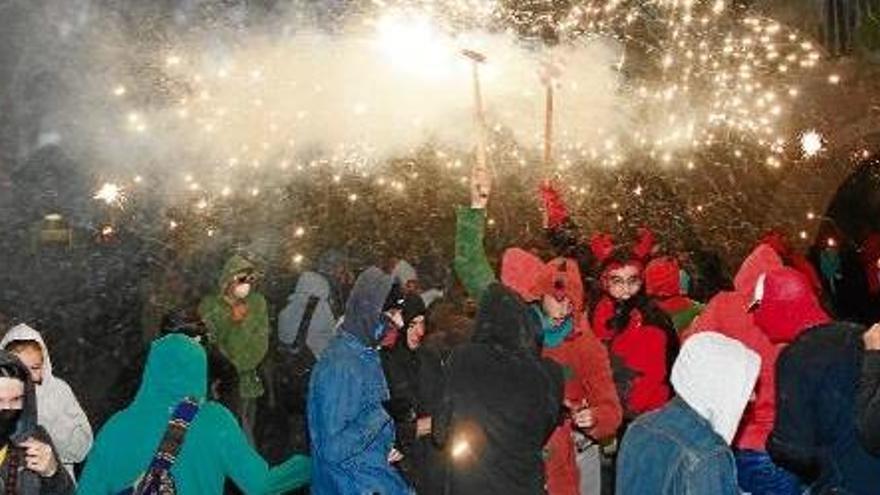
13	467
501	402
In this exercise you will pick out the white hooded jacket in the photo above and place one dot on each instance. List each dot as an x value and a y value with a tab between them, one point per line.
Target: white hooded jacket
322	327
58	411
715	376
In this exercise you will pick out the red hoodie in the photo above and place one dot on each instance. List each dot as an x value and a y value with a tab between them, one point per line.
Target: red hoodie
788	306
727	314
584	360
639	359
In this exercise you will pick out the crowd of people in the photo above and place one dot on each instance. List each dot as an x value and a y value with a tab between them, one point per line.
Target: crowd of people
581	369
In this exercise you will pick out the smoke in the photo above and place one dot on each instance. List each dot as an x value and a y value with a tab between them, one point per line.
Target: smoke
219	106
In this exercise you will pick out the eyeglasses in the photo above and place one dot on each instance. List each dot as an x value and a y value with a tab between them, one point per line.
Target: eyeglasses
627	282
246	278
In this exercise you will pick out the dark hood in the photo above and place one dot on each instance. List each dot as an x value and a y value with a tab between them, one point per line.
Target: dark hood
363	310
27	423
505	321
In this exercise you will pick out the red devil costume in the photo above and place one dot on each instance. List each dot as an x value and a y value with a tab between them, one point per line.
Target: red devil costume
640	338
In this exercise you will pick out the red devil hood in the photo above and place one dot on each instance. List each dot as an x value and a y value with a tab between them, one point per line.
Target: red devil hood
531	278
663	278
786	305
763	259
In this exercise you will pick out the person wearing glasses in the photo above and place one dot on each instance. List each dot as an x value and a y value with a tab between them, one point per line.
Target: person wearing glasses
238	324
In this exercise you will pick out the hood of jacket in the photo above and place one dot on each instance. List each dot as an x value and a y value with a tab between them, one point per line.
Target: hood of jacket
311	284
27	422
761	260
786	305
235	265
505	322
663	278
715	375
24	332
531	278
176	368
363	310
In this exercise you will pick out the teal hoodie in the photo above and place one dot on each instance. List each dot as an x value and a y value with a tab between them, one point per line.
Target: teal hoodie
214	448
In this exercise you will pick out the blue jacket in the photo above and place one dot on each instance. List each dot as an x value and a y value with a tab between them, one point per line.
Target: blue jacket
351	433
674	451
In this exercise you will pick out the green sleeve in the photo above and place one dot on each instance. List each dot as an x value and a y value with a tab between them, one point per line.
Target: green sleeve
257	335
248	470
294	473
94	478
471	264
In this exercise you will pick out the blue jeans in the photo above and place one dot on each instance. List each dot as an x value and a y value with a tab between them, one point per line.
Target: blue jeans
757	475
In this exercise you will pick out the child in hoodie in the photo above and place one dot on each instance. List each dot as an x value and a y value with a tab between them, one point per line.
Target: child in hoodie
58	411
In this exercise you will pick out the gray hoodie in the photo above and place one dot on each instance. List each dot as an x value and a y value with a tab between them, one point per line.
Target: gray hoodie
58	411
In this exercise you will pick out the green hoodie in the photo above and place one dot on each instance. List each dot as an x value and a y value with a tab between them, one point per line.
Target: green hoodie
214	447
246	342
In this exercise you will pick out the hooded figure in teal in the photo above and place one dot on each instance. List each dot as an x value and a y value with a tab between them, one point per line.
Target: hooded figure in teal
351	432
214	448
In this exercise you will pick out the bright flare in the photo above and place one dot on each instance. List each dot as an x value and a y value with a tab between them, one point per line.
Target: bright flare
811	143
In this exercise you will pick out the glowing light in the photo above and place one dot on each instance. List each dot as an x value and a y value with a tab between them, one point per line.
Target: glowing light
107	230
119	90
831	242
110	194
172	60
834	79
460	448
299	232
352	197
811	215
298	259
173	225
811	143
803	235
414	45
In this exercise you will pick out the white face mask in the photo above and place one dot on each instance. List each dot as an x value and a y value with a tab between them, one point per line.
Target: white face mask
241	291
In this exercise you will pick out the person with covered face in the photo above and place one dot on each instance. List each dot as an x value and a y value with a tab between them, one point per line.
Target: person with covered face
29	462
238	324
501	403
684	447
352	434
554	292
58	410
815	433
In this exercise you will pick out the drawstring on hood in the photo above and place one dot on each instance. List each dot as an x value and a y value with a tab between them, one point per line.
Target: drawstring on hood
715	376
786	305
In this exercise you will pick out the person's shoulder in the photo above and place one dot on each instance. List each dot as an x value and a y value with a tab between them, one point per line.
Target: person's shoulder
216	413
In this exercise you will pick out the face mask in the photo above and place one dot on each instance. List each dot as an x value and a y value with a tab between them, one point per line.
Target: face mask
379	331
8	422
241	291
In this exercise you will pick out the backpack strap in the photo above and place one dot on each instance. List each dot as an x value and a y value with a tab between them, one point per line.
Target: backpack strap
172	441
302	332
